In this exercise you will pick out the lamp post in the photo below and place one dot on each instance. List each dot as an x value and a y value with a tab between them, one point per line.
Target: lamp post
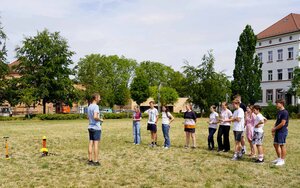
158	98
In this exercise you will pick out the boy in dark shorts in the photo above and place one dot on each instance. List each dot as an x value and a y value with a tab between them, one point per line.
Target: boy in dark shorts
94	129
280	132
152	123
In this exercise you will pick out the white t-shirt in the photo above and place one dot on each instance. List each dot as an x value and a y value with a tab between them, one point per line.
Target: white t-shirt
239	126
165	119
213	117
259	117
152	115
225	115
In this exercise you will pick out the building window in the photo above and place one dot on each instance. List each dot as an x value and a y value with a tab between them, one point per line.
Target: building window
270	56
280	54
270	42
270	75
279	94
269	95
291	53
260	56
291	37
279	71
259	44
290	73
280	39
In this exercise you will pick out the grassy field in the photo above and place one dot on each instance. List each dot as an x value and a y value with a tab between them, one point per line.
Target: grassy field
124	164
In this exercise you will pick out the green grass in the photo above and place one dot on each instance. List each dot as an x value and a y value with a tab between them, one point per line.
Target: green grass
124	164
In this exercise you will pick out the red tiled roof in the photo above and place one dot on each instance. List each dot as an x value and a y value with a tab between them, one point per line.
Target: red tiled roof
13	65
288	24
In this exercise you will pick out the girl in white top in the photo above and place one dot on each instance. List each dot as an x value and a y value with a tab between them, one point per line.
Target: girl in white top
224	128
167	118
213	125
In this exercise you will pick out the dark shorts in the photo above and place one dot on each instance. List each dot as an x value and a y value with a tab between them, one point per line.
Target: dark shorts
238	135
257	138
95	135
280	138
152	127
190	130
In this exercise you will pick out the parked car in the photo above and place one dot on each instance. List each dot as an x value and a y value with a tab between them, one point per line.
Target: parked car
106	110
5	111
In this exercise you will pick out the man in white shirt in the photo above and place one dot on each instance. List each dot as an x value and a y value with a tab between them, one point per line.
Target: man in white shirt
152	123
238	119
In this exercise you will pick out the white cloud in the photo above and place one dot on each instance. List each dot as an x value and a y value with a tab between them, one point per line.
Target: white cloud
167	31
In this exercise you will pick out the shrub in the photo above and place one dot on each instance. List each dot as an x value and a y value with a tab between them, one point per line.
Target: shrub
10	118
270	111
60	116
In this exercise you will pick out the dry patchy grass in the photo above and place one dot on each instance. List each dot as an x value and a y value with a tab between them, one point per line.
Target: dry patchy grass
124	164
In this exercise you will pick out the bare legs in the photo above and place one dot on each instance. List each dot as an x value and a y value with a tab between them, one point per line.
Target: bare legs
93	145
189	135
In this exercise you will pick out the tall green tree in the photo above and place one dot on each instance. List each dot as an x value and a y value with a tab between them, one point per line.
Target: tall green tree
3	65
164	95
247	73
204	85
44	65
139	89
295	89
106	75
157	73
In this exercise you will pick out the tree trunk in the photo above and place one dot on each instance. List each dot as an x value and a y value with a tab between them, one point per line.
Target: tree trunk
44	106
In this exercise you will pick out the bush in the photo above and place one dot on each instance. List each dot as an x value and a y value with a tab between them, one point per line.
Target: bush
270	112
60	116
10	118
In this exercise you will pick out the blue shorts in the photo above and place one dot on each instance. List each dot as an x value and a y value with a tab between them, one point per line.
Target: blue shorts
95	135
238	135
280	138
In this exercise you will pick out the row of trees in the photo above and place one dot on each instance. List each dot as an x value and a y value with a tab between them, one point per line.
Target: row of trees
45	61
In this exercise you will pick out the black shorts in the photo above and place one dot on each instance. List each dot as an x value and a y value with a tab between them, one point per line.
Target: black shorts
94	135
152	127
190	130
238	135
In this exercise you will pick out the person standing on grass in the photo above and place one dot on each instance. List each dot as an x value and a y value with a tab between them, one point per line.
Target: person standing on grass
280	132
94	129
224	128
152	123
137	116
238	119
167	118
258	135
244	107
249	123
190	120
213	125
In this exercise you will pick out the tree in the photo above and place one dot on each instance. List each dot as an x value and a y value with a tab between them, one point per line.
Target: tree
295	89
44	65
27	96
3	65
166	95
247	72
157	73
139	89
106	75
204	85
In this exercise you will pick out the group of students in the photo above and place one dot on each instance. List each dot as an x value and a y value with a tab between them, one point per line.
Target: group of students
247	121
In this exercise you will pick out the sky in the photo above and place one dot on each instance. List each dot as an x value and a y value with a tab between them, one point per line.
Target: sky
165	31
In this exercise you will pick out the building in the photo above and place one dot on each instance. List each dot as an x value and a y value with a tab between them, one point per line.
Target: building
278	49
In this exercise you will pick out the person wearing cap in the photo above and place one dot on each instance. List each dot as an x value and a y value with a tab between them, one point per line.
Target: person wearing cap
238	119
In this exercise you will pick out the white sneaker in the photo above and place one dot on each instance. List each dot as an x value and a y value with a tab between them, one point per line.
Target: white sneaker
280	163
166	147
276	160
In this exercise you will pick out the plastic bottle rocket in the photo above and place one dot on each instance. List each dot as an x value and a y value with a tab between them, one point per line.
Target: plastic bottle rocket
44	149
